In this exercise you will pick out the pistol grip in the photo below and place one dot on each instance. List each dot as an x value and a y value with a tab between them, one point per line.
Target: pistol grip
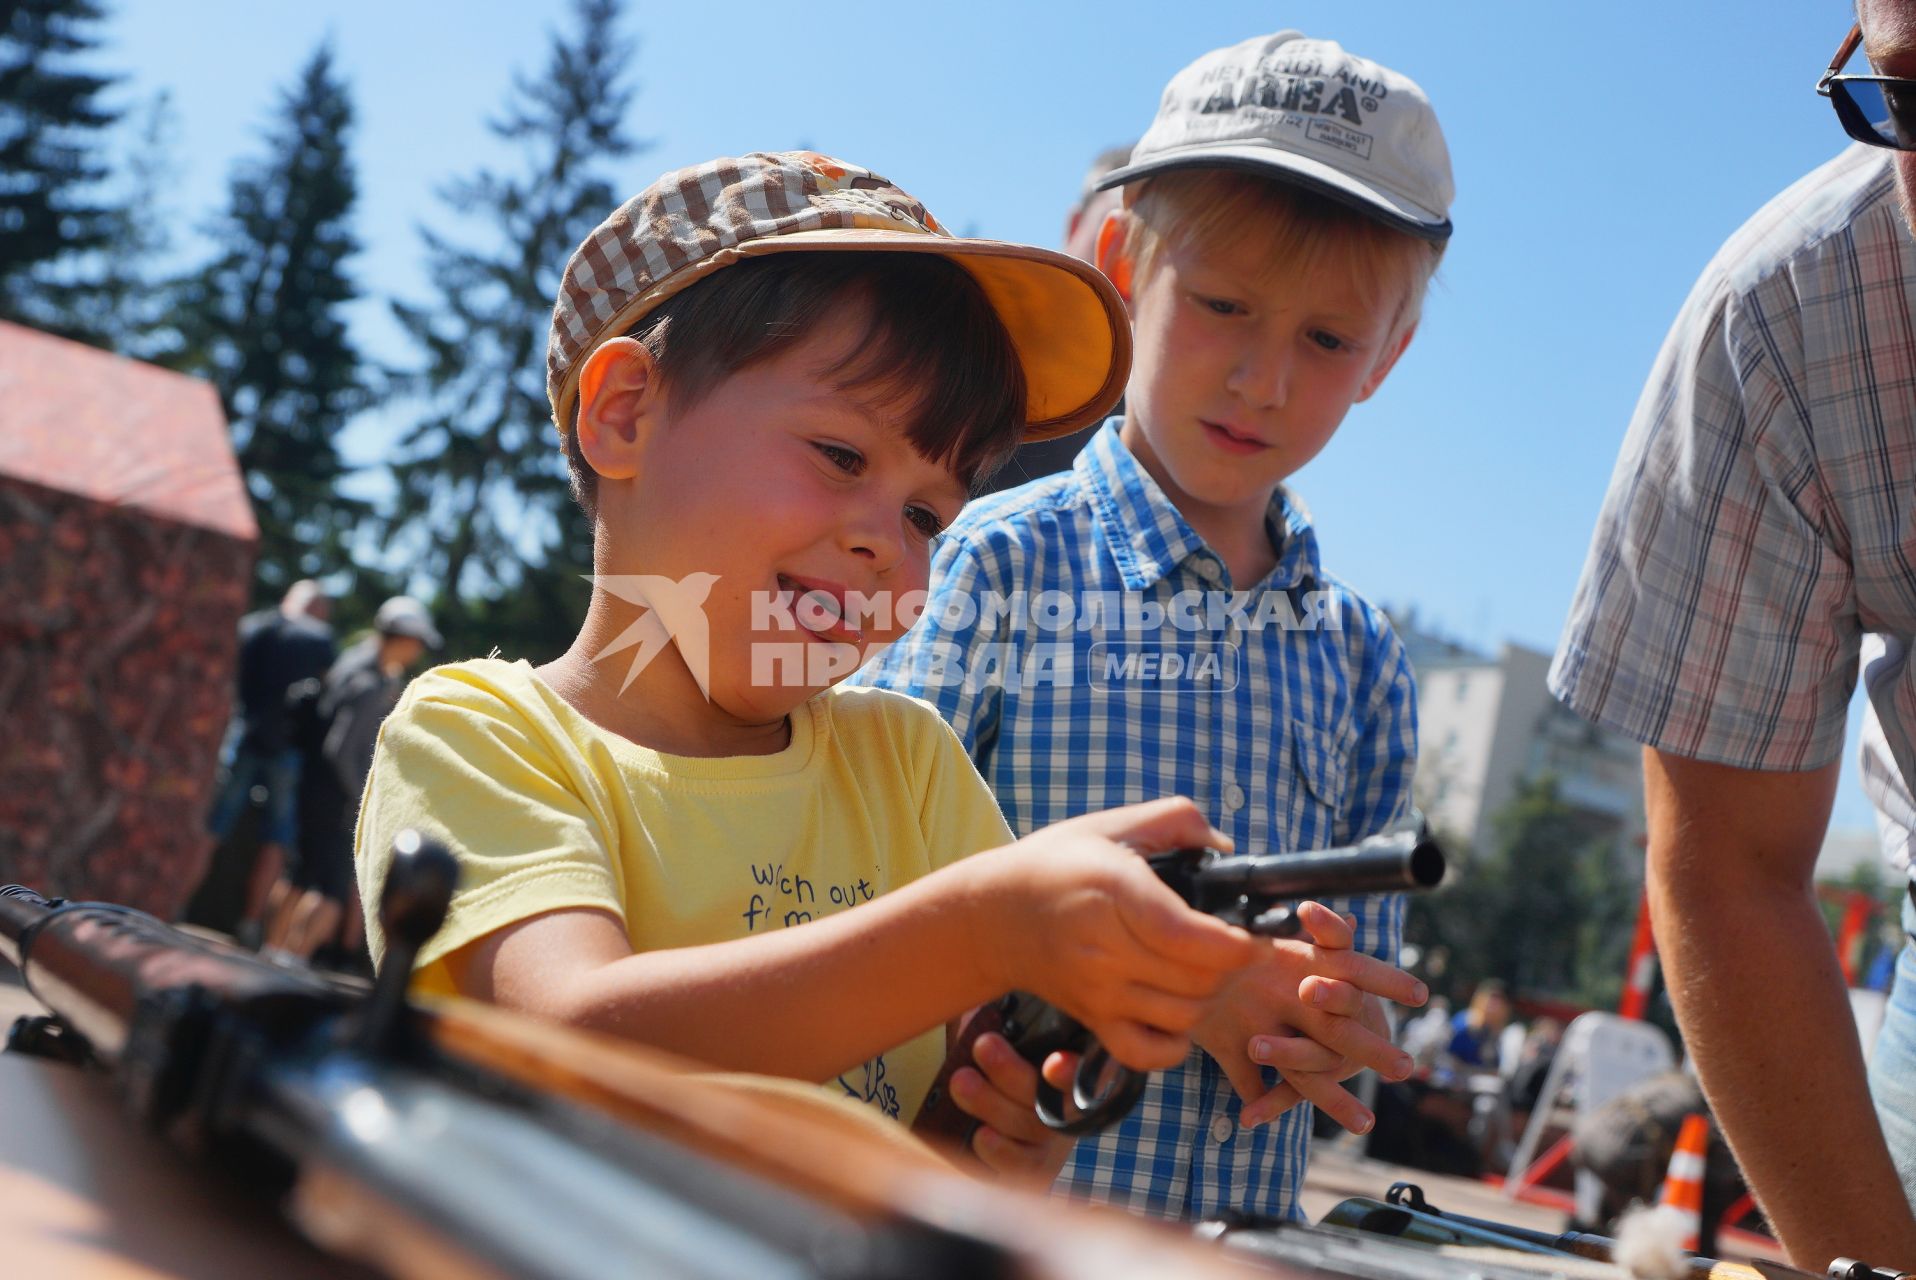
940	1118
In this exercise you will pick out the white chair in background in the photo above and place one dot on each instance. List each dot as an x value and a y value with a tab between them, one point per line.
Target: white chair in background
1601	1056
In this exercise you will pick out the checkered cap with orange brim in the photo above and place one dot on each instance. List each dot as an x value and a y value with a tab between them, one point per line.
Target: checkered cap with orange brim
1065	320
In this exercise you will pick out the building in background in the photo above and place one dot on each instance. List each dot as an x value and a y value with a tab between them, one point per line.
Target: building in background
1486	725
126	554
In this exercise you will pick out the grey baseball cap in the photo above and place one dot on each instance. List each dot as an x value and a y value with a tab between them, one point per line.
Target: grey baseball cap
1306	111
405	616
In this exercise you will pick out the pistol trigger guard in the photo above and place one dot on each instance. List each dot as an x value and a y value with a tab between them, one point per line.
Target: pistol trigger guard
1094	1113
1050	1108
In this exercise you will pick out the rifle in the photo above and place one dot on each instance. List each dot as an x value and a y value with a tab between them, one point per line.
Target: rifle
1256	892
1404	1214
458	1138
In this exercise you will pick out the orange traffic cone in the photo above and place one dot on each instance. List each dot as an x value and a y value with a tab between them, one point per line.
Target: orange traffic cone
1683	1186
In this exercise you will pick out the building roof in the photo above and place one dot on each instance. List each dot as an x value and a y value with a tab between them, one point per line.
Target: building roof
87	422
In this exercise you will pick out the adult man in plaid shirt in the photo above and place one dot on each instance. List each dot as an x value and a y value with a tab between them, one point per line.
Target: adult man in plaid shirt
1761	520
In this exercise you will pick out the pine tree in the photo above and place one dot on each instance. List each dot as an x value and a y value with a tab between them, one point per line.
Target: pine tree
483	498
51	123
264	321
126	304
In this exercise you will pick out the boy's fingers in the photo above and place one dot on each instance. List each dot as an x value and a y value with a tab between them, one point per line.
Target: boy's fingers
1361	1046
1244	1077
1328	995
1334	1100
1326	927
1294	1053
1158	825
977	1098
1059	1069
1020	1160
1269	1107
1163	1010
1015	1081
1368	973
1143	1048
1163	923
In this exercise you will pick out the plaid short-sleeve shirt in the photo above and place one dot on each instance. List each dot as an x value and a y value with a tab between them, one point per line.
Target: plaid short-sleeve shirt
1091	651
1762	516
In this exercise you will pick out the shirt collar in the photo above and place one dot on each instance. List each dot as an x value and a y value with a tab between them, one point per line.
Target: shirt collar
1149	538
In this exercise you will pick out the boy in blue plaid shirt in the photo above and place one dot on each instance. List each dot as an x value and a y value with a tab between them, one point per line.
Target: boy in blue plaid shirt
1155	621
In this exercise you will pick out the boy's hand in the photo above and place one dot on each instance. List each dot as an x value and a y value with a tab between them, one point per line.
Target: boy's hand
1002	1091
1311	1008
1077	917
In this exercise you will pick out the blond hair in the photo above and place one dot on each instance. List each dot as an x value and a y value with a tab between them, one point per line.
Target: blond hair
1300	232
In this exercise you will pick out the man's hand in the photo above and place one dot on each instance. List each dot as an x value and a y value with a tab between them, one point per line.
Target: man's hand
1002	1091
1310	1007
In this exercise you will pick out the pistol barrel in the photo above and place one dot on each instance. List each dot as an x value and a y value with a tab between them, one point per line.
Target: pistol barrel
1381	864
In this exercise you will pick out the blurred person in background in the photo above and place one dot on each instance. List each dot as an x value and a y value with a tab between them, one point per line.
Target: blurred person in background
278	648
1476	1029
336	724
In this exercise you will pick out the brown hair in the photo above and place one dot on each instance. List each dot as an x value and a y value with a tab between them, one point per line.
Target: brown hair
1301	230
933	348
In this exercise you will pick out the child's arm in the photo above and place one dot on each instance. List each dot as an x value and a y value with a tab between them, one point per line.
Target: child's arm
1071	913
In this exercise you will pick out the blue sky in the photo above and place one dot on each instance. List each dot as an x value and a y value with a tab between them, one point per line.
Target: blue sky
1602	153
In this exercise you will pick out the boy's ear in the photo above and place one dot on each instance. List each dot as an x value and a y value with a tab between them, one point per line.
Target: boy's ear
1386	363
1112	258
619	406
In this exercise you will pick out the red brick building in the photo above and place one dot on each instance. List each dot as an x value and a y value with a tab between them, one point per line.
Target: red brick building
126	549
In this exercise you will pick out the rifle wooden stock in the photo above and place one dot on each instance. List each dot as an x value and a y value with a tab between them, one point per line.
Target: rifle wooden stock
798	1136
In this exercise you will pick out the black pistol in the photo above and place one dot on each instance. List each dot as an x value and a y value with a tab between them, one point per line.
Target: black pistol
1257	892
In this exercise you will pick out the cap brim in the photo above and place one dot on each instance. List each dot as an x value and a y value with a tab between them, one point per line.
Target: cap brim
1288	166
1066	321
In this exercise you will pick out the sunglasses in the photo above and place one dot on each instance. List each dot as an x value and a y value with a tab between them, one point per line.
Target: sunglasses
1879	110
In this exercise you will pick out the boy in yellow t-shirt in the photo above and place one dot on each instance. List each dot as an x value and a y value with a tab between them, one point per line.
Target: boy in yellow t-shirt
776	378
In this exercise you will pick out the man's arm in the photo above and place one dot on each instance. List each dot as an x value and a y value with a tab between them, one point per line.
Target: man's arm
1761	1002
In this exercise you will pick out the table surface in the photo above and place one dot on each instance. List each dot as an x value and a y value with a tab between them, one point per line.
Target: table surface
85	1193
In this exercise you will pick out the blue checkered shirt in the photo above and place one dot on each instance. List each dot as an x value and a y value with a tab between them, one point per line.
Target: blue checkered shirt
1286	711
1762	516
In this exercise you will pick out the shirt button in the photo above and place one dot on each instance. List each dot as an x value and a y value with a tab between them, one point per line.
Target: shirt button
1207	570
1234	797
1222	1129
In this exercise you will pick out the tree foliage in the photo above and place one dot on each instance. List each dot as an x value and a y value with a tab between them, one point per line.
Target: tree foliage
127	302
1544	906
265	321
52	124
483	507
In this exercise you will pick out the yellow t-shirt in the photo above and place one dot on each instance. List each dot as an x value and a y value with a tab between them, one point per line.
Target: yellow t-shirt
545	810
